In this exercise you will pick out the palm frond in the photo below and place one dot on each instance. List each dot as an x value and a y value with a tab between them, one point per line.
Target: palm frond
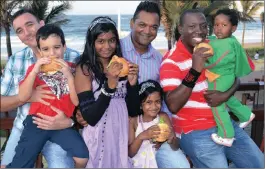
245	5
215	6
234	5
188	5
39	8
61	22
13	4
171	11
244	17
56	12
255	7
249	8
7	8
166	21
203	4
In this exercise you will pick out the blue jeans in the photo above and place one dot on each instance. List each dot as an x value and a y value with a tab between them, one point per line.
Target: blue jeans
55	156
168	158
204	153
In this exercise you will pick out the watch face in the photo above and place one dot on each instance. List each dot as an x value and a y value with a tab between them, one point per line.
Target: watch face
73	123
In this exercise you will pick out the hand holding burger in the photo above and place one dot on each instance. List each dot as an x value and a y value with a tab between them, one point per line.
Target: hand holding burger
40	62
204	45
50	68
164	131
55	65
113	72
128	69
201	53
124	71
64	68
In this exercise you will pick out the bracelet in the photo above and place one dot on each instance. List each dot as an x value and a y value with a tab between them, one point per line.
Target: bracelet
107	89
191	78
106	93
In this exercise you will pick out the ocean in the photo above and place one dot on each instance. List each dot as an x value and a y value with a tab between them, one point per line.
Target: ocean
75	33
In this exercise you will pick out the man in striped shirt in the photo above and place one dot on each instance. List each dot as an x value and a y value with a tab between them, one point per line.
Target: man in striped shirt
183	79
26	24
137	48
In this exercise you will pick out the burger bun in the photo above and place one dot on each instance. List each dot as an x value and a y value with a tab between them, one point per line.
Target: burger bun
125	66
205	45
50	68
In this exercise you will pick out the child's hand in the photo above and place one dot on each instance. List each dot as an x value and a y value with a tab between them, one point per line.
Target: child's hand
151	133
112	74
114	69
133	73
171	136
40	62
65	68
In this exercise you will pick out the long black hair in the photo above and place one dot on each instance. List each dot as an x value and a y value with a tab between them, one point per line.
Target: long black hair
89	58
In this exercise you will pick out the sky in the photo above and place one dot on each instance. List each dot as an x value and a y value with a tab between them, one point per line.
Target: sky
106	7
102	7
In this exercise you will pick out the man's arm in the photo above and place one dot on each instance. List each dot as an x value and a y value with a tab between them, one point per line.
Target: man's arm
25	91
9	103
215	98
9	100
178	97
58	122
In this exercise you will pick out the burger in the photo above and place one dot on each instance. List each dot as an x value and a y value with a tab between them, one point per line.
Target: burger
125	66
51	68
164	131
205	45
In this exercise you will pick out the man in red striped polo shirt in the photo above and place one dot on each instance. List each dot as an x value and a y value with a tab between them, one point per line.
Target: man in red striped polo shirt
183	79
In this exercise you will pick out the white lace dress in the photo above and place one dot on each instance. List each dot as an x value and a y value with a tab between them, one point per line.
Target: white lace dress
145	158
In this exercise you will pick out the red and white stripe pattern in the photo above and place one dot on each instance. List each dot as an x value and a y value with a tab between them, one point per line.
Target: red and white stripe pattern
196	114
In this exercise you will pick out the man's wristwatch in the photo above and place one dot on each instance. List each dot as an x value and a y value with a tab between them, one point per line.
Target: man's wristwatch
73	123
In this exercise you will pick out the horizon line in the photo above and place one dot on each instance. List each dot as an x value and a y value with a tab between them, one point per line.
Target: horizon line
122	14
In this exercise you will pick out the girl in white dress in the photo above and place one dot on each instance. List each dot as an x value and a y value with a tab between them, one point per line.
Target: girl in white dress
144	128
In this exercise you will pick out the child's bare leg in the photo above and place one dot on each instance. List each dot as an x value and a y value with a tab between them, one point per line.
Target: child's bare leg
80	162
3	166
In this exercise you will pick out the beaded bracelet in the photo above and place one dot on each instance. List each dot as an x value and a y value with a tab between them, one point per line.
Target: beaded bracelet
106	93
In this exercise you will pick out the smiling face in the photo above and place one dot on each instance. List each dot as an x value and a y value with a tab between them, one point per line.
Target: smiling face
223	28
105	44
52	47
193	29
152	105
26	27
144	28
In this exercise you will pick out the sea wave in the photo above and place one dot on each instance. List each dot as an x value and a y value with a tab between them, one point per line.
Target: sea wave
77	42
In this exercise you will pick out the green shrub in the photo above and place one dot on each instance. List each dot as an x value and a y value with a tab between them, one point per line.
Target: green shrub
3	63
252	51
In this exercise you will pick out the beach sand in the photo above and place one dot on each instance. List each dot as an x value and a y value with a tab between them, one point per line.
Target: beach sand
253	45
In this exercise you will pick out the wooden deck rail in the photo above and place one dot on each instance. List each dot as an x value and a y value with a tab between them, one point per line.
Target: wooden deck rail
251	86
258	109
257	124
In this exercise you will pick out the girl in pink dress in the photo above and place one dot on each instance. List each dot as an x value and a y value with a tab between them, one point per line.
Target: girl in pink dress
144	128
106	100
